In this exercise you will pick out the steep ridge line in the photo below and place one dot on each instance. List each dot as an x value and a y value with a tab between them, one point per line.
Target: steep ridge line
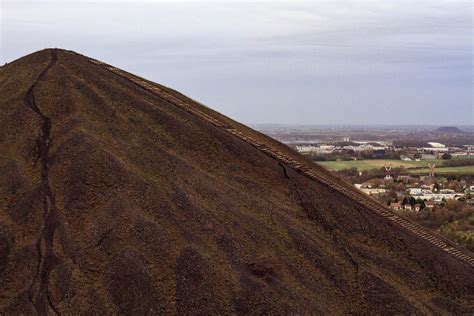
312	173
48	260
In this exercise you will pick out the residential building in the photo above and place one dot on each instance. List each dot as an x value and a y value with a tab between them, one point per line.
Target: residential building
428	157
373	191
396	206
415	191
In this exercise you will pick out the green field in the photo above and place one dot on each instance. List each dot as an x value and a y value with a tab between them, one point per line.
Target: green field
363	165
446	170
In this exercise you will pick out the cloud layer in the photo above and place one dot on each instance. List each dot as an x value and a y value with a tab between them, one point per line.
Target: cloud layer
318	62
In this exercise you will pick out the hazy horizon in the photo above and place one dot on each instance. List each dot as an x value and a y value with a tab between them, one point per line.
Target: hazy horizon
294	63
373	127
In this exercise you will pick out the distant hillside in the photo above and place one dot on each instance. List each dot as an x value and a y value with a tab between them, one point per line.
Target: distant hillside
449	129
121	196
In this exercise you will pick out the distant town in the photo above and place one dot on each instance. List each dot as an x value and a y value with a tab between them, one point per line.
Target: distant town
410	153
423	173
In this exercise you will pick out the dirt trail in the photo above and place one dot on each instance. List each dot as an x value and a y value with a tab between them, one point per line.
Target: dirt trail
310	172
47	259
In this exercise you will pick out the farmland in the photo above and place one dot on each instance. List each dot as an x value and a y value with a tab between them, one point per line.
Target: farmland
416	167
446	170
363	165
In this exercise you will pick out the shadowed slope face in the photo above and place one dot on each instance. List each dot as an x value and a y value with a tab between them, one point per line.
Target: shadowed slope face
113	199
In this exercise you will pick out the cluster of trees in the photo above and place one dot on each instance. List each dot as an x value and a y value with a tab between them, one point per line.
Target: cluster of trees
380	154
446	156
460	177
410	143
454	219
450	211
409	200
459	162
353	176
349	154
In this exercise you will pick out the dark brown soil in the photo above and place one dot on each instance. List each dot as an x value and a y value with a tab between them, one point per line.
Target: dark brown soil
122	196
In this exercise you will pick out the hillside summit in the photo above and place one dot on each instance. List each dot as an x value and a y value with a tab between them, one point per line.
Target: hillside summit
449	129
119	195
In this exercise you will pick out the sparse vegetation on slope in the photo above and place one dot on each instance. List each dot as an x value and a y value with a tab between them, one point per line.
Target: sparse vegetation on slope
162	212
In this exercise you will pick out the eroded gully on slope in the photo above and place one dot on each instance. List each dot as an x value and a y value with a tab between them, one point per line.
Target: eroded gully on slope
47	260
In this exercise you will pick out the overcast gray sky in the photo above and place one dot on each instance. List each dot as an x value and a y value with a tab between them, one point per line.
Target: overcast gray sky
317	62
